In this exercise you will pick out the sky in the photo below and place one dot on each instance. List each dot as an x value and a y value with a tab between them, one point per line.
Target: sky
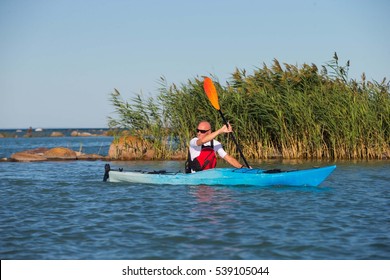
61	59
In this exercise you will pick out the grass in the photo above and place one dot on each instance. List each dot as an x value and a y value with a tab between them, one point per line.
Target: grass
281	110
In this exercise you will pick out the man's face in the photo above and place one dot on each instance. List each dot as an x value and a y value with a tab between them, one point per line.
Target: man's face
203	129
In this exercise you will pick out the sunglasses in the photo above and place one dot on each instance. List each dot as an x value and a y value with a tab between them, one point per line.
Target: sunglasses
202	131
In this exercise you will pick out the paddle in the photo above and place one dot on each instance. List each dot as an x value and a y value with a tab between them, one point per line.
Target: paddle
212	95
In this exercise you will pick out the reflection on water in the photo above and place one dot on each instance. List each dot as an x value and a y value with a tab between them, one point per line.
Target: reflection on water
211	201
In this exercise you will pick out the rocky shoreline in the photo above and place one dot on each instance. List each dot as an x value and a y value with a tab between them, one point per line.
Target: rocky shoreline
124	148
46	154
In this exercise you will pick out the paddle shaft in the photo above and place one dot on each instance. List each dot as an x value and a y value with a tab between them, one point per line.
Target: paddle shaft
234	140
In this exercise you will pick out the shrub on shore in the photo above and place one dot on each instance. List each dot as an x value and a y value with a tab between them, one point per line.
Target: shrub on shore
278	111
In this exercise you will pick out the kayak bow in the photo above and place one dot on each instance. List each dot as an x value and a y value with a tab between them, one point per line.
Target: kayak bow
224	176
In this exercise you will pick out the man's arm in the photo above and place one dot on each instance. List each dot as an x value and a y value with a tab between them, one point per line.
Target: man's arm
232	161
211	136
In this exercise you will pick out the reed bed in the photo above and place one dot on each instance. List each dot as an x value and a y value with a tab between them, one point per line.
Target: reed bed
281	110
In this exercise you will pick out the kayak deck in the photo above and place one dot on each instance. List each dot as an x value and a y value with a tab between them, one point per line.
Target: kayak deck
224	176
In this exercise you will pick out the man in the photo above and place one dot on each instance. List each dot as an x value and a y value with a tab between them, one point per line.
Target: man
203	147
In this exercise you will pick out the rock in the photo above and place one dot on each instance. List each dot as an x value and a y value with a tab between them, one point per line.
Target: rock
60	153
30	155
56	134
179	156
1	135
74	133
149	154
129	148
85	134
37	151
90	157
27	157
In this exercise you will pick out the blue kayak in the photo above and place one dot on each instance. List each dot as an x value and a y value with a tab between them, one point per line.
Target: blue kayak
224	176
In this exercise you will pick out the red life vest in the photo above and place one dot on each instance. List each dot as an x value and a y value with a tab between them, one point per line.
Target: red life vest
206	160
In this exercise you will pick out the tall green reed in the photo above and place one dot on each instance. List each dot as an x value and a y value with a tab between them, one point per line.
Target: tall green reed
279	110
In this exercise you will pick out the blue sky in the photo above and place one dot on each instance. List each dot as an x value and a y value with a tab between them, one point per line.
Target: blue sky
60	59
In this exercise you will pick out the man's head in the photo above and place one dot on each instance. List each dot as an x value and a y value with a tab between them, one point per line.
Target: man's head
203	129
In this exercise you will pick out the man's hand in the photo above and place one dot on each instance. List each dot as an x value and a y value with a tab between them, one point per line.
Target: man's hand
226	128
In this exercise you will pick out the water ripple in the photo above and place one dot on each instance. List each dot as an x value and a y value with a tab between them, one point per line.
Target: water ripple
62	210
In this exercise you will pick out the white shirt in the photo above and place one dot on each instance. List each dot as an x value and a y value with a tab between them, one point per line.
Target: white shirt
195	149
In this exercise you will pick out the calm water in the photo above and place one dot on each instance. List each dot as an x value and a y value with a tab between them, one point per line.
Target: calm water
63	210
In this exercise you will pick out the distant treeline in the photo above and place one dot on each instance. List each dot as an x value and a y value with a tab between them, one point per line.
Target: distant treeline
281	110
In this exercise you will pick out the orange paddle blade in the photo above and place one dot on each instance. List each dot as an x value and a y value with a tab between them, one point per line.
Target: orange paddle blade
211	92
